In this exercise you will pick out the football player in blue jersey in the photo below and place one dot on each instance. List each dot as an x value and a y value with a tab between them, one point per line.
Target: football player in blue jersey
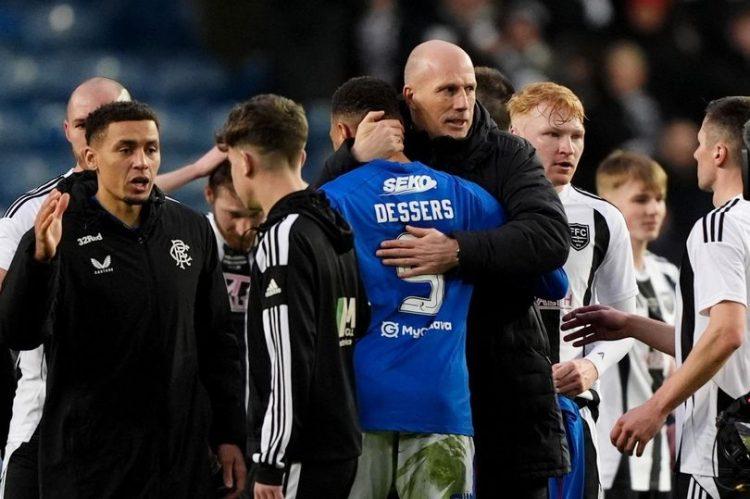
410	368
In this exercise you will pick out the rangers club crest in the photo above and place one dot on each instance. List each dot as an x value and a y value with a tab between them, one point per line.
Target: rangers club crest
579	236
179	252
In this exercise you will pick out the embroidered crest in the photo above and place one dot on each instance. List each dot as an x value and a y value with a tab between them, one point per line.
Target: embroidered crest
579	236
179	252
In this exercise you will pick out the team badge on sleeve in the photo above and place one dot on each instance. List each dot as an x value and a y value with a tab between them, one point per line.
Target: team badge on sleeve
579	236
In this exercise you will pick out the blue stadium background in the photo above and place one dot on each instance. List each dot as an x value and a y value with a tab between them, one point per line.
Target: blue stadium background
153	48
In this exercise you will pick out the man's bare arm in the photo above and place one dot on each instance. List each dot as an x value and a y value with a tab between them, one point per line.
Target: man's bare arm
721	338
602	323
169	182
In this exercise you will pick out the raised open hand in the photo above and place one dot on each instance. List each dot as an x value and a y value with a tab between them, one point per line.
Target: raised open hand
48	225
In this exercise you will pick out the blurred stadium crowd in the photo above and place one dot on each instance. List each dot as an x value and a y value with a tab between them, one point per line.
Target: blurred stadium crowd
645	69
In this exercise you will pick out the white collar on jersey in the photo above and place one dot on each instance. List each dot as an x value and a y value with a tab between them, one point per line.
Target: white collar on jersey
565	192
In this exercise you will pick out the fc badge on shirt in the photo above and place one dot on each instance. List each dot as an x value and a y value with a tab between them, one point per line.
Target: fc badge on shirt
579	236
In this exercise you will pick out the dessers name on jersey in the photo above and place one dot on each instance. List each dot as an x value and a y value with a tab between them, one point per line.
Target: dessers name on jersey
414	211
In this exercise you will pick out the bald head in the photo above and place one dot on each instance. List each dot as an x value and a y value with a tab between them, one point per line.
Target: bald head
86	98
99	91
435	56
439	88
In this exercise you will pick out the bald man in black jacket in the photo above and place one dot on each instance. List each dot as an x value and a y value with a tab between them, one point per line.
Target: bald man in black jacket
508	350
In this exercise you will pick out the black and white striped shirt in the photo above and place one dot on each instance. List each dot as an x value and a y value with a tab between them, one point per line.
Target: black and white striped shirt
715	268
599	269
638	376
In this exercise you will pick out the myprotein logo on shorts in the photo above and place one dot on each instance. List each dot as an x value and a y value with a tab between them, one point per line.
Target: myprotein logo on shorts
408	185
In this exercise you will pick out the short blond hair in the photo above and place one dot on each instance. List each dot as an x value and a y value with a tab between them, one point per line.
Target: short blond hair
620	167
561	101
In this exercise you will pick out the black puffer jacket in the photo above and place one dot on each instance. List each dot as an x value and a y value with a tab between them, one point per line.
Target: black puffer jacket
518	426
143	367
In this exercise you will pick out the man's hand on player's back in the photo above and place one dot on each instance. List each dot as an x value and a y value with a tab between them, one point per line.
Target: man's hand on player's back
429	252
48	225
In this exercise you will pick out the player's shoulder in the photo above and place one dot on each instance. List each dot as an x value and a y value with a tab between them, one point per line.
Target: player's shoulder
180	216
607	210
175	206
731	217
282	234
32	199
356	178
662	265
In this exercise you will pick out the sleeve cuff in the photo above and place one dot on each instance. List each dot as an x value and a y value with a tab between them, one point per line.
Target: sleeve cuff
705	307
466	248
227	432
39	271
596	360
269	475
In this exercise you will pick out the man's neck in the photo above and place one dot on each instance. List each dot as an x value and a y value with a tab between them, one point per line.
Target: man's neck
398	157
639	253
129	214
726	188
276	186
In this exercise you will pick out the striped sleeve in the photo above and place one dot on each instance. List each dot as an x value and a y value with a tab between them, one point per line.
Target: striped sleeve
720	255
12	229
713	222
39	192
287	327
19	218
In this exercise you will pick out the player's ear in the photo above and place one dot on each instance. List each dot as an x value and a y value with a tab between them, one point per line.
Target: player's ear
302	158
344	131
249	164
208	193
408	95
89	157
720	154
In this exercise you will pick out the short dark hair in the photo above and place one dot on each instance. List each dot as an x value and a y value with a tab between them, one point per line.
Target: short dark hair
115	112
494	90
270	122
728	116
221	176
360	95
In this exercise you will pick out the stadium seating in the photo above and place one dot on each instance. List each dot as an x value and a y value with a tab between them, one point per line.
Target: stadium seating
47	48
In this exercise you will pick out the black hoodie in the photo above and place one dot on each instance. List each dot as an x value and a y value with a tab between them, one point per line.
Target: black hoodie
307	306
517	422
139	348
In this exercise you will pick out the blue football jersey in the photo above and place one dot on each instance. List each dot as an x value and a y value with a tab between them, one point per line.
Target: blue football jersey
410	367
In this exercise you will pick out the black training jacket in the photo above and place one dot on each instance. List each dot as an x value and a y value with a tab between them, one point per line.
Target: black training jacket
139	345
518	426
307	306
